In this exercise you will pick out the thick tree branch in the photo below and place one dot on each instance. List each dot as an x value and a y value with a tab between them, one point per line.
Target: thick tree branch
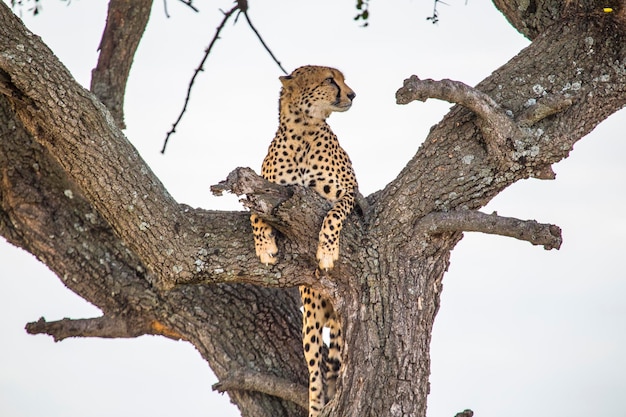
44	213
265	383
454	169
453	92
135	231
126	23
497	127
264	196
296	212
502	133
108	327
536	233
89	147
242	181
531	18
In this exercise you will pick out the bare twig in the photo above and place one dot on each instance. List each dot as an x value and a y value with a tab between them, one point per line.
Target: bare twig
258	35
200	68
189	4
536	233
265	383
435	17
242	7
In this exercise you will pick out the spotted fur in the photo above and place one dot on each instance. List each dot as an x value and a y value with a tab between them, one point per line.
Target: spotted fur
305	151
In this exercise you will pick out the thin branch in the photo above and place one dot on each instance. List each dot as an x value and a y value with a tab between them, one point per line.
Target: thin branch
200	68
265	383
190	5
536	233
435	17
242	7
258	35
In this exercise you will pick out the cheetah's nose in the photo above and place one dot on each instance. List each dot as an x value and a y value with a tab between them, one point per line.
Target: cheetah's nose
351	95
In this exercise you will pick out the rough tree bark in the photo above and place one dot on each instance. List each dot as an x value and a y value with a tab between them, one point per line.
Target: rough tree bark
75	193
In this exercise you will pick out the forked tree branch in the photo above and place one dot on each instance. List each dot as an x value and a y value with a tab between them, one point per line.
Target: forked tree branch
498	127
536	233
258	35
200	68
265	383
189	3
242	7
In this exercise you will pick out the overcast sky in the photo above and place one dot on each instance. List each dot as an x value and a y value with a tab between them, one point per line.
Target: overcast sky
521	331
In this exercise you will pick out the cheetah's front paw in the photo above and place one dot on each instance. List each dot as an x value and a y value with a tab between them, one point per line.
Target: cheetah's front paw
267	254
326	257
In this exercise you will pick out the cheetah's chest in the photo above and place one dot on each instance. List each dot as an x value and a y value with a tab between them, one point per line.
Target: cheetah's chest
307	160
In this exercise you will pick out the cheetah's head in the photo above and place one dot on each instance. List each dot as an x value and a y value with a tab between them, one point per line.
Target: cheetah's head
315	92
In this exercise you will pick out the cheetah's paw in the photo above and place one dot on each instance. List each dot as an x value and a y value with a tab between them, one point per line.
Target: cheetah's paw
267	255
326	257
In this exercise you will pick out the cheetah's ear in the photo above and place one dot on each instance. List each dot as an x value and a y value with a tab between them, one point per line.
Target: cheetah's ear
285	79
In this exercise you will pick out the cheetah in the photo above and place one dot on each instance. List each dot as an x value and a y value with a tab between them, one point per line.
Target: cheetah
305	151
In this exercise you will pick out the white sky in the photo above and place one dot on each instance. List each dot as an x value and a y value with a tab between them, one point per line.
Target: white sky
521	331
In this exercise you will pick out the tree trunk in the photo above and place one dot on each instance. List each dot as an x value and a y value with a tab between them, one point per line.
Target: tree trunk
75	193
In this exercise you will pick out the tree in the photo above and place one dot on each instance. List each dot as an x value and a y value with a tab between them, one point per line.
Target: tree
120	216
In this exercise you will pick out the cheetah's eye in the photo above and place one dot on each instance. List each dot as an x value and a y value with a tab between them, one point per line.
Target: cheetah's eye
329	80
